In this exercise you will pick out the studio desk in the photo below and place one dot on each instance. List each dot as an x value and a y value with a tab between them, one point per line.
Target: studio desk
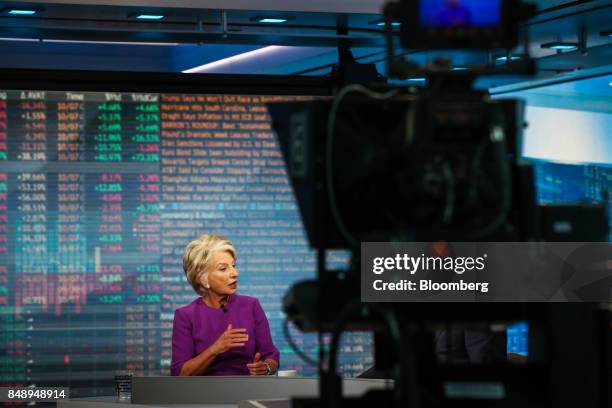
220	392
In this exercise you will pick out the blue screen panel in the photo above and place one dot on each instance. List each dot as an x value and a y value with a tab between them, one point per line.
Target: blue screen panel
459	13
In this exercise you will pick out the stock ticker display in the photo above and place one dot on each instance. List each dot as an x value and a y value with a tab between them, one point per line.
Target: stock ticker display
100	193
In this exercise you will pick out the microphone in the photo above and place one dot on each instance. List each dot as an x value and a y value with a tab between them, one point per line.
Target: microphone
225	303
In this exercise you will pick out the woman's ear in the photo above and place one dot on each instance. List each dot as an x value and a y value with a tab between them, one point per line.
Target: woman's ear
204	281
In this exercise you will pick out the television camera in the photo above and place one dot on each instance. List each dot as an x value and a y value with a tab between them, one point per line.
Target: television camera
382	163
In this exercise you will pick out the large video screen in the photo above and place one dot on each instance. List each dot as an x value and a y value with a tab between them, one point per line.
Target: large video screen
99	194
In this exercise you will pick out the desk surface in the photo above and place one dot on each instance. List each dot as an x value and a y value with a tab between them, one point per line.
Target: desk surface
233	389
217	392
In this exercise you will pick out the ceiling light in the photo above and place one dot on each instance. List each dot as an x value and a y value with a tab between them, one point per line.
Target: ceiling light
227	62
504	58
393	23
149	16
272	19
459	68
21	12
381	23
560	45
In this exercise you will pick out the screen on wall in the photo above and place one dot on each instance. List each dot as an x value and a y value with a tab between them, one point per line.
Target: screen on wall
559	183
99	194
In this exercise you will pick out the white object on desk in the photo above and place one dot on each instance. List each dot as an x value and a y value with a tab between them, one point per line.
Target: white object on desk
287	373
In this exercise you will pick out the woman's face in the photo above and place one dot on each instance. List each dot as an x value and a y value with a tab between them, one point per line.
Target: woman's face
222	274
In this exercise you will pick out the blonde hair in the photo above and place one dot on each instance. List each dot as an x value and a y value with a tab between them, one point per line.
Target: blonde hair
198	254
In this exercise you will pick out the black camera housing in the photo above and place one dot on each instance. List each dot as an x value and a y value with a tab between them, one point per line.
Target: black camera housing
382	153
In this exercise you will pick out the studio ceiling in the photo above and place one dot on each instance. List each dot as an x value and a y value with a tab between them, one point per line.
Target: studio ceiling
101	34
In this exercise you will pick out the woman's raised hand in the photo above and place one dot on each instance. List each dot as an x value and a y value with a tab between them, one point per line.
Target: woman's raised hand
230	338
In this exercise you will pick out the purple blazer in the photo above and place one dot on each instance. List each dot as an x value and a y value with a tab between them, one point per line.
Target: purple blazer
197	326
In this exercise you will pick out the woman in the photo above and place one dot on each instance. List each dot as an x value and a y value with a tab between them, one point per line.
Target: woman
220	333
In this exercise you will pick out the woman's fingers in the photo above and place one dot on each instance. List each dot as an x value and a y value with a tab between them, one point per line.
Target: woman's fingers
258	368
233	338
258	371
239	338
235	331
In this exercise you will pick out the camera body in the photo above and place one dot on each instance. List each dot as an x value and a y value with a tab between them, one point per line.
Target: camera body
419	166
440	163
